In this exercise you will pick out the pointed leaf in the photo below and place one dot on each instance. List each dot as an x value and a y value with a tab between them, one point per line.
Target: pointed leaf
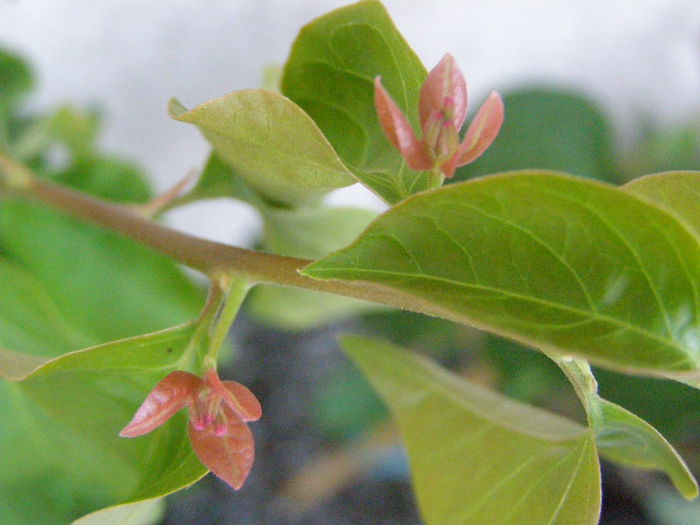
483	130
444	81
478	457
270	142
330	74
169	396
565	264
246	404
625	438
678	192
231	456
398	130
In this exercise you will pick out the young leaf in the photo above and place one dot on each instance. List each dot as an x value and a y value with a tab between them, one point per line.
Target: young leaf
330	74
623	437
270	142
478	457
568	265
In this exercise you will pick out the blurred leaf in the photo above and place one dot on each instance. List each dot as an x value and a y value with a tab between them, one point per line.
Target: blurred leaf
549	129
271	142
678	192
16	80
296	309
310	233
79	402
345	405
107	177
67	285
524	374
330	74
146	512
588	269
106	287
29	318
77	129
220	180
669	149
472	451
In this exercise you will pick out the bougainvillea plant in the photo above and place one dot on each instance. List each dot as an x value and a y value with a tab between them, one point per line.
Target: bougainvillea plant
112	340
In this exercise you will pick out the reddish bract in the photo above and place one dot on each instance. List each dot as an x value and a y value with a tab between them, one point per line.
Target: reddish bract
442	109
218	413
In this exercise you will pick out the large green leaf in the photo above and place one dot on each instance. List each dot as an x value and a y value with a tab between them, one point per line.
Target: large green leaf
330	74
478	457
564	264
270	142
77	403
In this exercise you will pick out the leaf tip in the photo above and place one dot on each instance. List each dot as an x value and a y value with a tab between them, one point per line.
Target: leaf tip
176	109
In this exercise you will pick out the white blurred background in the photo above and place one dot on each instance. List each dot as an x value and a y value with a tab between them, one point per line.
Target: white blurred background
634	57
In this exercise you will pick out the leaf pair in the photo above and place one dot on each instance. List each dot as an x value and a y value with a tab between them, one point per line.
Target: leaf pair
218	412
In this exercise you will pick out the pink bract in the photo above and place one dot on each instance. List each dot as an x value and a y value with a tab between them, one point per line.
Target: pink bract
218	413
442	109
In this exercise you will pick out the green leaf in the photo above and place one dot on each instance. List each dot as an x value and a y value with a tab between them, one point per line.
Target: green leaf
77	129
678	192
548	129
104	286
147	512
567	265
76	403
107	177
220	180
330	75
310	233
623	437
66	286
270	142
313	231
16	80
478	457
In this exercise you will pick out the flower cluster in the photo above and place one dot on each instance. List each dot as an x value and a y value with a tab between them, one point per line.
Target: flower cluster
218	413
442	109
